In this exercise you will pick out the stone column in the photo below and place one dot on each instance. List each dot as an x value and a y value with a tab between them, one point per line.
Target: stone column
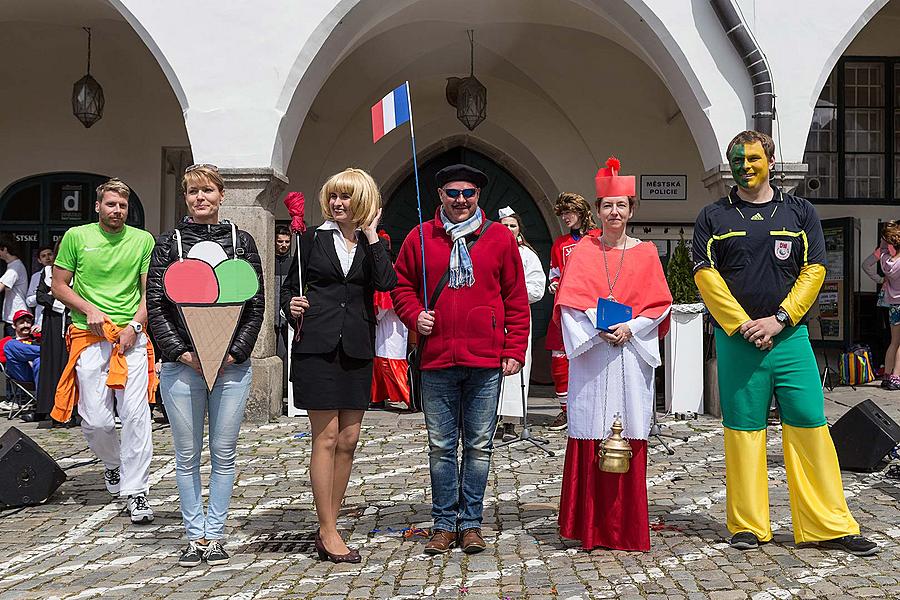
250	196
788	176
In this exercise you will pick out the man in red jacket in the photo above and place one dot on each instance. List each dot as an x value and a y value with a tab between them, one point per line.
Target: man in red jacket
475	334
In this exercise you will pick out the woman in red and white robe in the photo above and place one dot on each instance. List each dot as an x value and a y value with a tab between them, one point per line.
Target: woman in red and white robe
610	374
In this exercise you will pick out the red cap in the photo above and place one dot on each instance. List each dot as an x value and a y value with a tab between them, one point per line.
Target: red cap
610	184
22	313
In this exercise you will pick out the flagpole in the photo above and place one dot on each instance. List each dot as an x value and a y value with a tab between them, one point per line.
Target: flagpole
412	136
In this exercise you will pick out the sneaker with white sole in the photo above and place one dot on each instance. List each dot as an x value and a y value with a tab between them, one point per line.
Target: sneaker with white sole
112	478
140	509
214	554
192	555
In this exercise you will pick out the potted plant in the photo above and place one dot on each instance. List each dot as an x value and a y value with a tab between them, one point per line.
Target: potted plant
684	344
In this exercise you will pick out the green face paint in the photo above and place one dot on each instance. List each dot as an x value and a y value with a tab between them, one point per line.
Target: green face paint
749	165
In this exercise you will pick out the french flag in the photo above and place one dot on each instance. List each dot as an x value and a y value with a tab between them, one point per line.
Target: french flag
393	110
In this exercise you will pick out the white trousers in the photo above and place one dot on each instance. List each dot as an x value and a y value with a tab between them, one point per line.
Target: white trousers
511	389
96	404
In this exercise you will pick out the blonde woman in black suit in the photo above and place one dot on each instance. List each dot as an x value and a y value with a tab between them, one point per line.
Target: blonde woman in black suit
343	263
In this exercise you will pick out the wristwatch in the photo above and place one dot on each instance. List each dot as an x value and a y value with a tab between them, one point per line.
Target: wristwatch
136	325
783	317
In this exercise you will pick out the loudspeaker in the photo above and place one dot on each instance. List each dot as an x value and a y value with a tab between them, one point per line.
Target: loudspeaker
28	475
863	436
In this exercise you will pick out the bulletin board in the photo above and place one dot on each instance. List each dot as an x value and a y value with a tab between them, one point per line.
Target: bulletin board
831	317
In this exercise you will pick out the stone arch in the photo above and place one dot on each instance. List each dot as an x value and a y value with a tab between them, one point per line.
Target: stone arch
350	21
155	50
842	44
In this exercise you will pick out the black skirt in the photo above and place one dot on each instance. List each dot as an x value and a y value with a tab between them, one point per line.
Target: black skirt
331	381
53	359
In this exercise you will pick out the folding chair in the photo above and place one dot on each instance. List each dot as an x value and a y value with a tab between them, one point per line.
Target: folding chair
20	395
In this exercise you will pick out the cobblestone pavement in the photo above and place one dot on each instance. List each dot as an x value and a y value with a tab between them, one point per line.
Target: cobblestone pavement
81	544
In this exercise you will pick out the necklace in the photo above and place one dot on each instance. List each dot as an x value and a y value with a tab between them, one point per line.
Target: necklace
612	284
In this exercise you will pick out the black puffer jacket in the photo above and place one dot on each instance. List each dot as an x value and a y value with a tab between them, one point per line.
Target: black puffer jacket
165	324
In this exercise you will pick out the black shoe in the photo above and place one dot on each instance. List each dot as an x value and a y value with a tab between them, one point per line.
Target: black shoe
744	540
214	554
854	544
192	555
509	432
32	417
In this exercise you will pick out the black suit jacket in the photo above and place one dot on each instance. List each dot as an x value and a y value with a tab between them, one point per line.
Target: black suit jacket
341	308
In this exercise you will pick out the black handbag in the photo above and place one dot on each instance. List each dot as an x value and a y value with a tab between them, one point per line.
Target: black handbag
414	358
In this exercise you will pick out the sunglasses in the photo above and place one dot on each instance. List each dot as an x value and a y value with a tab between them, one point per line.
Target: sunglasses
202	166
466	193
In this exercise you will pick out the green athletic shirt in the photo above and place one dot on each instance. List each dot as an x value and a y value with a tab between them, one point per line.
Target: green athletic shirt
107	268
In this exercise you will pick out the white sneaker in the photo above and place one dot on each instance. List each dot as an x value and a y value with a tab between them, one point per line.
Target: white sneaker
6	405
112	478
140	509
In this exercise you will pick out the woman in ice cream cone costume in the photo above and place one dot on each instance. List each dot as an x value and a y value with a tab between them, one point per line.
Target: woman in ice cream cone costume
610	372
205	303
759	261
342	263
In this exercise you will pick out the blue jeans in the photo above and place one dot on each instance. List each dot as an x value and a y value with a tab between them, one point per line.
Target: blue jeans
460	402
187	402
23	361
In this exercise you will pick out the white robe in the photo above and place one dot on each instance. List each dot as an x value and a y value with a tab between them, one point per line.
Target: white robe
390	335
596	390
511	390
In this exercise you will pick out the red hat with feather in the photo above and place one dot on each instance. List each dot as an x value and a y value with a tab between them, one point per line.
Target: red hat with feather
610	184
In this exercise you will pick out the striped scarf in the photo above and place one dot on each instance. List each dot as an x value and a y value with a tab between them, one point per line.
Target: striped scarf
461	271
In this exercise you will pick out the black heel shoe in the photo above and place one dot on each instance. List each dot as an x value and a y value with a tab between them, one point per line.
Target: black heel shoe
352	557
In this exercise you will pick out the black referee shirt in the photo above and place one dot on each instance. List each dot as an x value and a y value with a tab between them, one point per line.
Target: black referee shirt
759	249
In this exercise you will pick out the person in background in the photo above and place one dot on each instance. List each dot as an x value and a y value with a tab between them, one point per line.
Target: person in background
53	345
344	262
390	380
21	352
100	273
515	386
13	282
45	259
184	390
887	254
282	264
575	213
470	338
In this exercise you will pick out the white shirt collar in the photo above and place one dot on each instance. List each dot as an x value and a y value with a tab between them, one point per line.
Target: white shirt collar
331	226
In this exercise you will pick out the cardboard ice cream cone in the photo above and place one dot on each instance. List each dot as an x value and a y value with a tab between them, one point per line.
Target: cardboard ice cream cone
211	327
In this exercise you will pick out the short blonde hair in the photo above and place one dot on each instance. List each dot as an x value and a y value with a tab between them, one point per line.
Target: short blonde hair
200	175
365	199
113	185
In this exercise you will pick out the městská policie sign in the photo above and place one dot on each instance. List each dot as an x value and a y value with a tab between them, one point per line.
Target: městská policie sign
663	187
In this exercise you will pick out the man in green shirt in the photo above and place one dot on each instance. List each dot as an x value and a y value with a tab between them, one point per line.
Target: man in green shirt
109	262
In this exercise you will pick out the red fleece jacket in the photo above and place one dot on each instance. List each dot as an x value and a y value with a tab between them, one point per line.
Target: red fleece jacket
469	322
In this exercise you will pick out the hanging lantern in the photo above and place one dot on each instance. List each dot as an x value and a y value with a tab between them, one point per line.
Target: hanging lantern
87	94
467	94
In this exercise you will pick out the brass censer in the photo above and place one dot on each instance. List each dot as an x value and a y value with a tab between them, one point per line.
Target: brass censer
615	451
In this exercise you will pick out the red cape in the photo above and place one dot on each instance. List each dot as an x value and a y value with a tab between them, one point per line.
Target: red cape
641	285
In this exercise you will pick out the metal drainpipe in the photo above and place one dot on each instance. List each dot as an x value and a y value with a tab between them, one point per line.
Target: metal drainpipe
763	96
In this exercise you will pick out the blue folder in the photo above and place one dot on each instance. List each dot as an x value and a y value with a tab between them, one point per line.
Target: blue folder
611	313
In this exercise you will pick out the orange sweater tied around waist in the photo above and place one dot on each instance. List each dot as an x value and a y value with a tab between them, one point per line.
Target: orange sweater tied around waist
76	341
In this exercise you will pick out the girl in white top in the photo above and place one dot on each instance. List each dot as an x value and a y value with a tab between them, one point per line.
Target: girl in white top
515	386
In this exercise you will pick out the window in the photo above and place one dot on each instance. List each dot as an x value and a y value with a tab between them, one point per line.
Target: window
853	148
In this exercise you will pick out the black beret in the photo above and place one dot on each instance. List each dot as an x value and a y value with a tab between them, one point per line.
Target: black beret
461	173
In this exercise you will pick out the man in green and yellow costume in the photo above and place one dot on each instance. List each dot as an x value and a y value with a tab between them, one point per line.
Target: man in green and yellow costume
759	261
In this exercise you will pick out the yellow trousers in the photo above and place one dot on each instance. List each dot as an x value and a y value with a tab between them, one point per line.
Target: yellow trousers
818	507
